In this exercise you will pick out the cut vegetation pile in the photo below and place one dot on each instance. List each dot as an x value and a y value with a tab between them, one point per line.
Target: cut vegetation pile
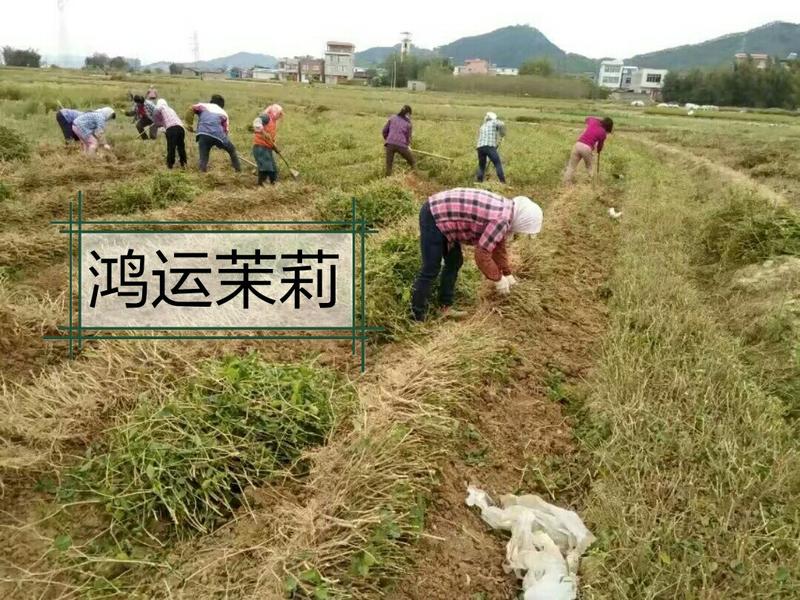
379	203
744	229
162	190
13	145
185	459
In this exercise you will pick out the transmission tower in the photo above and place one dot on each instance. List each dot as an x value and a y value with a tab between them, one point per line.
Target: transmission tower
405	45
62	31
195	47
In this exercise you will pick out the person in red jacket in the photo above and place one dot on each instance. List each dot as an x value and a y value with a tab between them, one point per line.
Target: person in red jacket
592	139
265	131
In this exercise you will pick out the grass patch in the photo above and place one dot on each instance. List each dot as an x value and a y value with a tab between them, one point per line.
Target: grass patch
13	145
696	479
162	190
179	464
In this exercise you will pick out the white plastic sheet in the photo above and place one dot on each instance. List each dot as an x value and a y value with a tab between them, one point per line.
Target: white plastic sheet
546	543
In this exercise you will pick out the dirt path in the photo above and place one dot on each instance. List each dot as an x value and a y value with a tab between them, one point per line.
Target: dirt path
563	317
725	172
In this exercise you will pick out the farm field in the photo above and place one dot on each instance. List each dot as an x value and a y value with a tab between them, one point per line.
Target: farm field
644	373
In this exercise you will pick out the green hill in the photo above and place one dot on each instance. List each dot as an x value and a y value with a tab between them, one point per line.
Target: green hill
511	46
375	56
776	39
506	47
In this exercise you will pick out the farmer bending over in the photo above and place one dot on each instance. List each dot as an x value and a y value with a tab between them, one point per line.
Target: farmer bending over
592	138
397	138
212	130
475	217
65	118
90	128
164	116
265	131
144	118
489	136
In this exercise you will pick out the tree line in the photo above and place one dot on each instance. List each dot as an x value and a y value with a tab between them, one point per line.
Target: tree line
776	86
15	57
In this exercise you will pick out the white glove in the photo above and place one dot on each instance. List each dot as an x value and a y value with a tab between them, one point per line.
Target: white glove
503	287
512	281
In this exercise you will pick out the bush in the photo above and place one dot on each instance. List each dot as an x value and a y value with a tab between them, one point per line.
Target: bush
748	230
13	146
380	202
163	190
184	460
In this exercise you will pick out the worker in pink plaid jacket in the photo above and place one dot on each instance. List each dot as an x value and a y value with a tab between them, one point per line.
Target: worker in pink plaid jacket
475	217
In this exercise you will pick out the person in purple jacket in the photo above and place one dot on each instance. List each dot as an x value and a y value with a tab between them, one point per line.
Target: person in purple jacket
593	138
397	138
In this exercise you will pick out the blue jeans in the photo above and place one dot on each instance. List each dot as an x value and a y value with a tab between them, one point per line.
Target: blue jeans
204	145
489	152
435	249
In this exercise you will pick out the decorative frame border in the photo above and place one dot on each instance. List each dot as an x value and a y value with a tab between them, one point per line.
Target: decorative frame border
76	332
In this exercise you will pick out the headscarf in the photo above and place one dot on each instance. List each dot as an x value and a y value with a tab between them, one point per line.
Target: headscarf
274	112
527	217
107	112
161	103
490	116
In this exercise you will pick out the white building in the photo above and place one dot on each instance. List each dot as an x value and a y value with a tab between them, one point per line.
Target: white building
610	76
339	62
417	86
265	74
649	81
510	71
288	69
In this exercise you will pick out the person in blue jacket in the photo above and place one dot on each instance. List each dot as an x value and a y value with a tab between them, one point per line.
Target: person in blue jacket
212	131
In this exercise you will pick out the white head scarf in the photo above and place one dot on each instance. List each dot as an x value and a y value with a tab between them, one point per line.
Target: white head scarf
161	103
527	216
490	116
107	112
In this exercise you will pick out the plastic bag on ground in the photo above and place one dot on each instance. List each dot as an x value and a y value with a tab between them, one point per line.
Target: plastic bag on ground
546	543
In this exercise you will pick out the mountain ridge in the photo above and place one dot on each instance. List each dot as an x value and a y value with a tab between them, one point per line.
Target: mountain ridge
510	46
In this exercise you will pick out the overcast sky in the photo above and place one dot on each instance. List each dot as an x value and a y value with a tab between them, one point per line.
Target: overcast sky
162	30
